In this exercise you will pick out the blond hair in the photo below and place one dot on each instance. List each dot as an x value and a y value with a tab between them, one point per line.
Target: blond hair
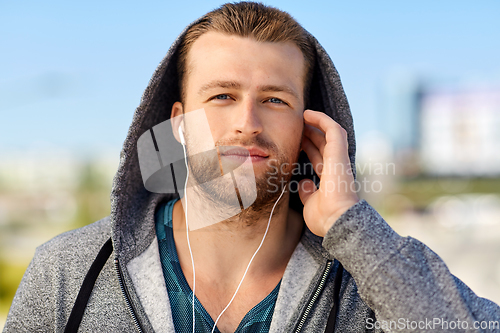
249	19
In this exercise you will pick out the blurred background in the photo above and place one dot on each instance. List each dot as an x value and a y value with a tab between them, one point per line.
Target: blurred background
422	78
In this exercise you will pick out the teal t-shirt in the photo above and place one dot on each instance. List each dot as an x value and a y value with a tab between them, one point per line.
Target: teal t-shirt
257	320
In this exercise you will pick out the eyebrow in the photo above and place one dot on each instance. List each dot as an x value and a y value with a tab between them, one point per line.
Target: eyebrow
275	88
237	85
219	84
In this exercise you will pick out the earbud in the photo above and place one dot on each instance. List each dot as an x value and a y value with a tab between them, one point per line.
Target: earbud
181	135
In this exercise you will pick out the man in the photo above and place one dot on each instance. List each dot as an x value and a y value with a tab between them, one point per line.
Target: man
257	75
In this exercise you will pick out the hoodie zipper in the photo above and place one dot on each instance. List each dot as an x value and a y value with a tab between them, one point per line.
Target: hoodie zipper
126	297
320	287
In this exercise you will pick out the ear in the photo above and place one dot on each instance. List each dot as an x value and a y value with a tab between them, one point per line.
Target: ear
176	118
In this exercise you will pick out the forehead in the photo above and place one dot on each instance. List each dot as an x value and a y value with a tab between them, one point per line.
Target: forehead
228	57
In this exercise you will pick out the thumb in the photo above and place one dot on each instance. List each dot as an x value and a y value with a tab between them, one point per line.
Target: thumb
306	189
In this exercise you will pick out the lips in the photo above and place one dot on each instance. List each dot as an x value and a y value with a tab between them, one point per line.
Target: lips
240	155
253	152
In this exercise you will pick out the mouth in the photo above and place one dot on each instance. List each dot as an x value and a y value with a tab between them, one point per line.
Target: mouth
243	153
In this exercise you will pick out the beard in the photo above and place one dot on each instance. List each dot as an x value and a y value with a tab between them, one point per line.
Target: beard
206	170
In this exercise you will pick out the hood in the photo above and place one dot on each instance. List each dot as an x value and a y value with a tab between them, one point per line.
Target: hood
133	207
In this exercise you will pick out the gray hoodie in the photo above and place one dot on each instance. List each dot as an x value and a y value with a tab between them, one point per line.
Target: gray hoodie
390	283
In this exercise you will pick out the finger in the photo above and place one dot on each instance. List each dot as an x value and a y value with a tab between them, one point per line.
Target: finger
316	136
314	155
333	131
336	146
306	189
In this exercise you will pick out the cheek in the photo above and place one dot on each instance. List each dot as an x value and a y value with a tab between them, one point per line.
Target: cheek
217	126
200	128
289	132
295	125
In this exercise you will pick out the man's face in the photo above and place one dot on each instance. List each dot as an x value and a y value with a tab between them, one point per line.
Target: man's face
252	94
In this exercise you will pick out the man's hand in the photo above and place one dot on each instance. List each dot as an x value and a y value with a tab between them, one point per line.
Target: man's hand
325	143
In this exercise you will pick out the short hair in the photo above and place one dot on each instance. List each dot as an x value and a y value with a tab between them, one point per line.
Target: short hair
249	19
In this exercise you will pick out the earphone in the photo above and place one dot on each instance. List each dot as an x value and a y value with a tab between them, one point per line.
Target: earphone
183	142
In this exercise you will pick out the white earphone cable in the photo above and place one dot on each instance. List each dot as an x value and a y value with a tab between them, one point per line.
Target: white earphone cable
189	243
248	266
187	231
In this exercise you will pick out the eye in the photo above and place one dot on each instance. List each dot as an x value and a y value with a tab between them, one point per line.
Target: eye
275	100
222	97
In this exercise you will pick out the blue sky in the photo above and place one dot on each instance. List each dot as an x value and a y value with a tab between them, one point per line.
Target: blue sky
72	73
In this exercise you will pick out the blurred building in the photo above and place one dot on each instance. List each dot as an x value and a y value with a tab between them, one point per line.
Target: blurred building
399	110
459	131
440	128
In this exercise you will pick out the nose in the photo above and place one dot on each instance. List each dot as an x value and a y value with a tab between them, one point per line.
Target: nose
247	121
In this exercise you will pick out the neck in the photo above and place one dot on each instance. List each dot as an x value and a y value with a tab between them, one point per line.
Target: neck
222	250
